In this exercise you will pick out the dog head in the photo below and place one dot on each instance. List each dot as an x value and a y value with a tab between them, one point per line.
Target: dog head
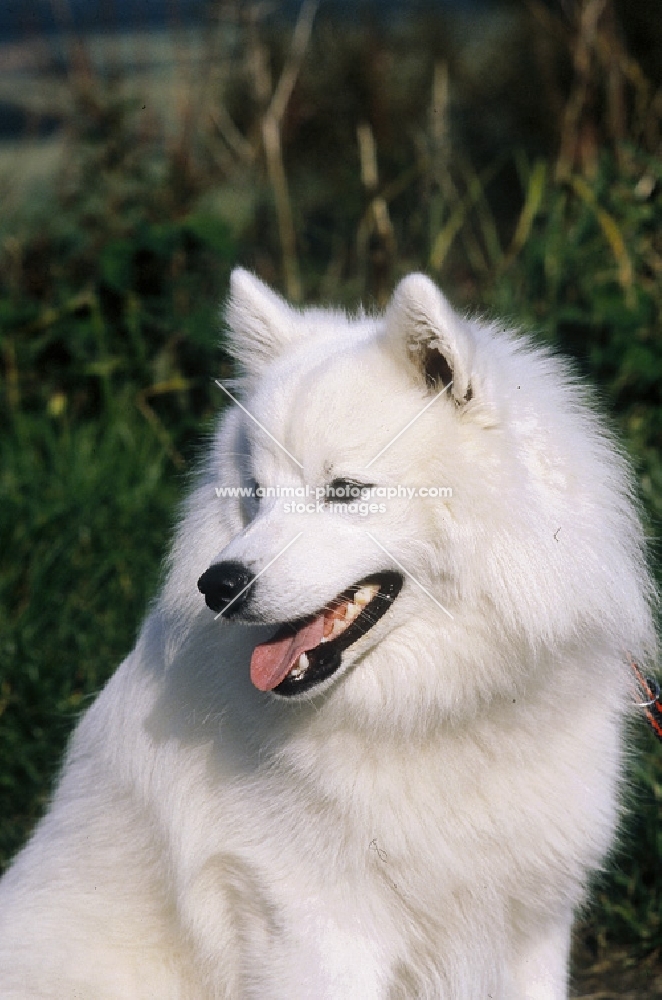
336	435
404	476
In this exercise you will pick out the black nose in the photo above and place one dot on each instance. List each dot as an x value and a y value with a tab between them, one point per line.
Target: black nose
225	583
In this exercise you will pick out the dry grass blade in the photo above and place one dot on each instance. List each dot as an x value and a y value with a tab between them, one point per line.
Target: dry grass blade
292	68
535	193
445	238
376	236
175	384
610	230
273	146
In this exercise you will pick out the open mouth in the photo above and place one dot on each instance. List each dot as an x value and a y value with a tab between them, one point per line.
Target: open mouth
306	652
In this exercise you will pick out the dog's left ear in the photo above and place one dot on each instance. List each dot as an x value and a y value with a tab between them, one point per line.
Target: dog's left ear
435	340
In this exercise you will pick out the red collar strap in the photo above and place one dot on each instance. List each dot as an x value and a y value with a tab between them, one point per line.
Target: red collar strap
651	699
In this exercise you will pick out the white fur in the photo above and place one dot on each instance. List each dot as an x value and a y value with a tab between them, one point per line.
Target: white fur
424	825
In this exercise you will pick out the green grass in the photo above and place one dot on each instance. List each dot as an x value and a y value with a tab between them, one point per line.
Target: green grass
85	515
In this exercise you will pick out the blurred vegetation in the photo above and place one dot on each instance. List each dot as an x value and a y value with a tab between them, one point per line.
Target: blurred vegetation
520	167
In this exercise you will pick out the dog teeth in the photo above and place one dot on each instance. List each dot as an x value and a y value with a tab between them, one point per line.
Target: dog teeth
365	594
300	667
341	616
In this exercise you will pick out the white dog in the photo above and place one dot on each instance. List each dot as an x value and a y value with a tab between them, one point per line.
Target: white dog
386	762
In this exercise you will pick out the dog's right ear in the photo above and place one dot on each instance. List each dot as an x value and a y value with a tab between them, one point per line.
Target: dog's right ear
260	323
433	340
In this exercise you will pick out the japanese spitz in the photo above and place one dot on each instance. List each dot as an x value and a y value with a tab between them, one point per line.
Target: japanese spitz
368	745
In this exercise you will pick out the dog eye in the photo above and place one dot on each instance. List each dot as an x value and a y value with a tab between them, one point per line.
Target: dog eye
347	489
250	501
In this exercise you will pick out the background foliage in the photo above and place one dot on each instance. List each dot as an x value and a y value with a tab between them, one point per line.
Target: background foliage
331	157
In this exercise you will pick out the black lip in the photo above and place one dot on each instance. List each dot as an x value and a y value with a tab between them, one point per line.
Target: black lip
326	658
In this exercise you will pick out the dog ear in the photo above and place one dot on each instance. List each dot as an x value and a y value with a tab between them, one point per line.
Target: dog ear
260	323
436	340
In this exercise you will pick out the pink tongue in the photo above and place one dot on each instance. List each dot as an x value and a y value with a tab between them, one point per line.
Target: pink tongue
272	661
